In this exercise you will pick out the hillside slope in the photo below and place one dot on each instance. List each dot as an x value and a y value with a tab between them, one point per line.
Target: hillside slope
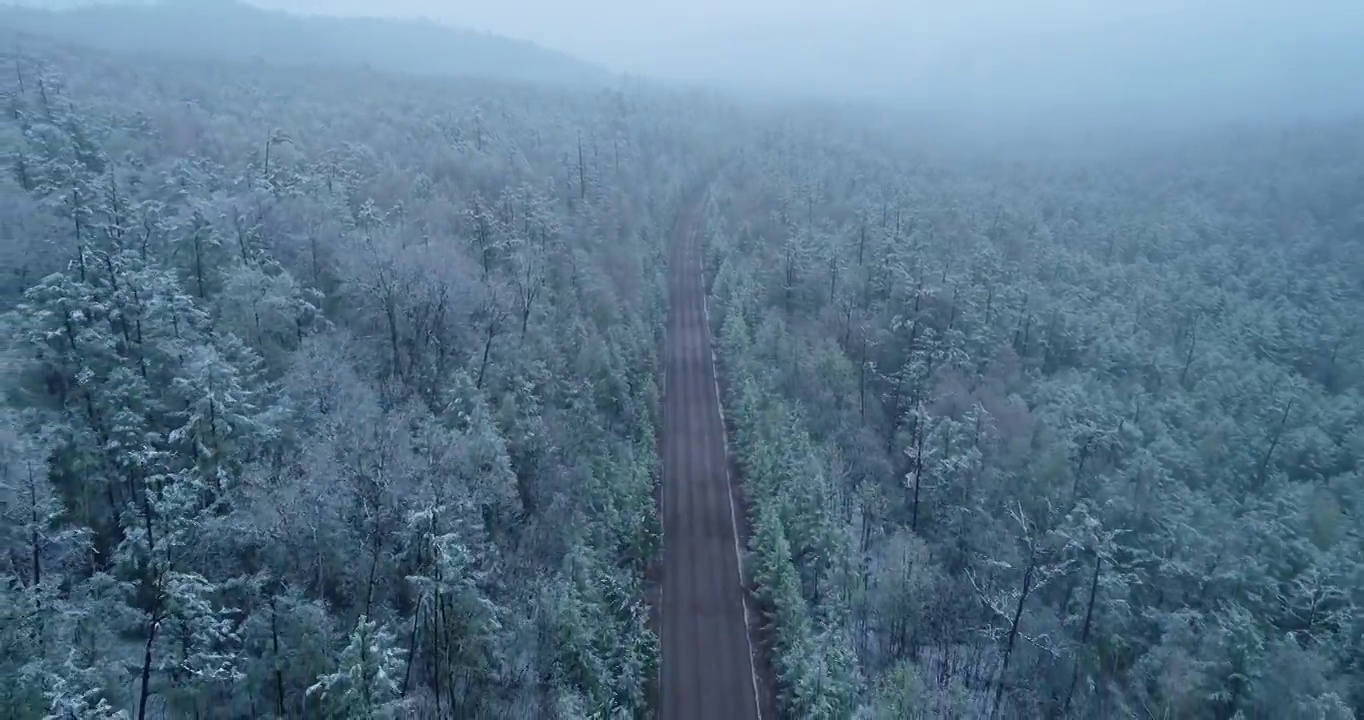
231	30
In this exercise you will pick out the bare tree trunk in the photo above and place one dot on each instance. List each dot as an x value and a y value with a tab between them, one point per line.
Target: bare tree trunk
862	382
1188	358
487	350
1084	632
1273	443
391	314
582	170
412	645
153	623
369	584
918	472
1013	631
274	643
80	242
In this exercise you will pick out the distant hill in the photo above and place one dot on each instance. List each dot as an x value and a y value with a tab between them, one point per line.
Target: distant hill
232	30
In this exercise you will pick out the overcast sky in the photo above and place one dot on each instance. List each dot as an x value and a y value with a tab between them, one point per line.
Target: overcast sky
1179	50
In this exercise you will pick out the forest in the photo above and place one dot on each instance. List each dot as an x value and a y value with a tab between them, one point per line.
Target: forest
335	392
323	402
1051	441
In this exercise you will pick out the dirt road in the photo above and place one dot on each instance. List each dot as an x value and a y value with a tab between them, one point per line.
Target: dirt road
707	664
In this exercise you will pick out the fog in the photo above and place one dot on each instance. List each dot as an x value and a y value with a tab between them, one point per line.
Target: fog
1158	60
930	360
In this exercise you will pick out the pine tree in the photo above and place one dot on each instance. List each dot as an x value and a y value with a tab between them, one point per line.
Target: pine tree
367	682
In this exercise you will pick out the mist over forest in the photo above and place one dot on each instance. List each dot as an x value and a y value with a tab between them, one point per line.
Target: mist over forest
858	360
